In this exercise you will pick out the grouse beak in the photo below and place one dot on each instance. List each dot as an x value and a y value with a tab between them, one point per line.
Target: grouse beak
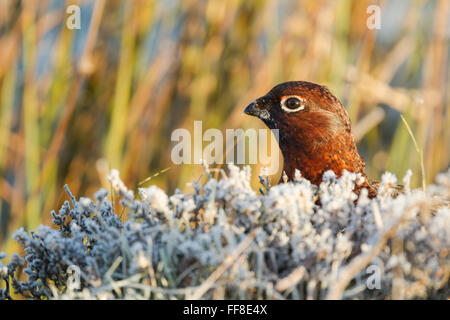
259	108
252	109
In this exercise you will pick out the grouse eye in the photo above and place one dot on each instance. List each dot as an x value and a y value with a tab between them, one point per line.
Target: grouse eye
292	103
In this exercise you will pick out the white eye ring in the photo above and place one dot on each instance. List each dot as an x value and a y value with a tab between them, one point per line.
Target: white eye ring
286	109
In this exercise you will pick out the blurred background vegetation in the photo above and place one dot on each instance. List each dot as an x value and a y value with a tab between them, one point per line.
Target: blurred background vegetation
75	103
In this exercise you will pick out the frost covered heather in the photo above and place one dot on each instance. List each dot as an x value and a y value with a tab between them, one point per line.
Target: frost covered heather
226	241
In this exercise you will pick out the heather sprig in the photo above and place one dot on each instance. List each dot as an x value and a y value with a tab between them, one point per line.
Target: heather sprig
224	240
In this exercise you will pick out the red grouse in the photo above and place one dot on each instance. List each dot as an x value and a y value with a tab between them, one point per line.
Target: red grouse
314	131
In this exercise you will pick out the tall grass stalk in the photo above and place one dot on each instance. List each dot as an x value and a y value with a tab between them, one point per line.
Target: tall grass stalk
418	150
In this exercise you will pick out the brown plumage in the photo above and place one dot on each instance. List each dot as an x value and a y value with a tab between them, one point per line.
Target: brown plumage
314	130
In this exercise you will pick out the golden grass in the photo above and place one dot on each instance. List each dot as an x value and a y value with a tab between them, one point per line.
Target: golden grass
137	70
